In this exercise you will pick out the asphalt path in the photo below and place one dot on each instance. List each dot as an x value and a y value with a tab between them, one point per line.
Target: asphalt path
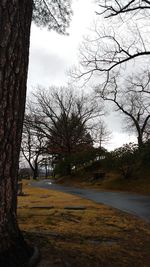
134	204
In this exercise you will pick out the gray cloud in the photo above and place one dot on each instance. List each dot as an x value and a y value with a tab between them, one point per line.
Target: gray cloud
46	68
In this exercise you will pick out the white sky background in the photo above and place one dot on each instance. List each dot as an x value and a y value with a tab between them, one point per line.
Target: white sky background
51	56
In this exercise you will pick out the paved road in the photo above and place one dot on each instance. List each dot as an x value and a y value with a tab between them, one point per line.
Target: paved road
135	204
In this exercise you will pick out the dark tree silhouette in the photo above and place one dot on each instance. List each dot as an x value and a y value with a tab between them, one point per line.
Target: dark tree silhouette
64	118
15	22
32	145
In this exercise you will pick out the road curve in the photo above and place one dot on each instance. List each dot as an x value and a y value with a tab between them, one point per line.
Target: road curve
134	204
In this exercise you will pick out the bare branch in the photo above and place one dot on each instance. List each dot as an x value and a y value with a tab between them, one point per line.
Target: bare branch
131	103
115	8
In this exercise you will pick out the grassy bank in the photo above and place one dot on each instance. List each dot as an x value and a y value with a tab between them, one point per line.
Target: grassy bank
94	236
139	183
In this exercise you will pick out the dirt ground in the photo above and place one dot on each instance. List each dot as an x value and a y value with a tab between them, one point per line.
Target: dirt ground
74	232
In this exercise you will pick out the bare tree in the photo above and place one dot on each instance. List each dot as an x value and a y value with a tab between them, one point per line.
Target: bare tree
117	44
111	49
132	103
115	50
65	118
101	134
57	102
32	146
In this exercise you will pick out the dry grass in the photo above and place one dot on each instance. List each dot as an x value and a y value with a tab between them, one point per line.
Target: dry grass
94	237
113	181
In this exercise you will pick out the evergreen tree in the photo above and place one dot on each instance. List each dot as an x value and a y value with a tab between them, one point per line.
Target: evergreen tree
15	23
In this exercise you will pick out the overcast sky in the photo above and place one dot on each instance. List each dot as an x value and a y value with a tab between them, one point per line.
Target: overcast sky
52	55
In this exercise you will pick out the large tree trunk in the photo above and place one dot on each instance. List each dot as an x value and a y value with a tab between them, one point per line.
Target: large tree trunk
35	171
15	22
140	140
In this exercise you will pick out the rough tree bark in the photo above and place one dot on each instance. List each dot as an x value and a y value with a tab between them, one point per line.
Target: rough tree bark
15	22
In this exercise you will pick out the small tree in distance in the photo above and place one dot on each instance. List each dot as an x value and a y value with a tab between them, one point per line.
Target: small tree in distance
32	145
101	134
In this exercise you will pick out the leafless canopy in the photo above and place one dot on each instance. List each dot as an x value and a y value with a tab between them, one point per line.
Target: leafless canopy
32	145
132	100
114	43
64	117
113	8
